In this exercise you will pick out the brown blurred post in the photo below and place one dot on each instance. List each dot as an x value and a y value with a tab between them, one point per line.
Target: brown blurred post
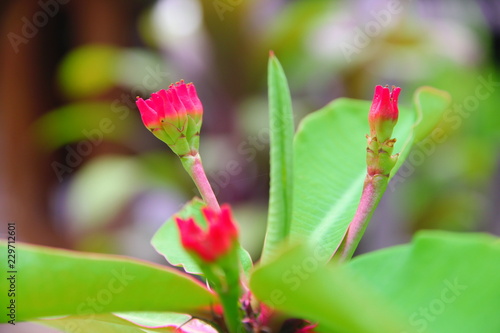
27	90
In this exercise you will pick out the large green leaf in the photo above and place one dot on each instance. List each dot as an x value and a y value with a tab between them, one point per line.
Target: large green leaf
299	284
330	165
281	158
52	282
167	242
442	282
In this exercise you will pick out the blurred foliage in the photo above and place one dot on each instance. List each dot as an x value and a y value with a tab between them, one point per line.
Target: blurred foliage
328	49
88	70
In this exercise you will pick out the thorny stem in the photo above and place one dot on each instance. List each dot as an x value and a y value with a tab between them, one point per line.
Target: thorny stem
192	164
379	165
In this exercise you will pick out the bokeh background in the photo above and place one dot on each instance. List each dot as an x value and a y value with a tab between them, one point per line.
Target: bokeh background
79	170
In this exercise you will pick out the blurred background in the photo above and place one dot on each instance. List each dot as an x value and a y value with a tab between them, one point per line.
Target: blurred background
79	170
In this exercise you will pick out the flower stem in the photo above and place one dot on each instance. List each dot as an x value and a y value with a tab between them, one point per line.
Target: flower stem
224	278
379	163
193	165
373	190
232	314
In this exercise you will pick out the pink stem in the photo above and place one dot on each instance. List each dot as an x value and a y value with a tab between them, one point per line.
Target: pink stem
373	190
194	167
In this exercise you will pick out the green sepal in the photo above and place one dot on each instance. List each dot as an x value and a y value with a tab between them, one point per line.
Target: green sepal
379	158
193	132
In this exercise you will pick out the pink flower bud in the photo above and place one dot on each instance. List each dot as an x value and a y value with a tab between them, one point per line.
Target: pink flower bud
174	116
211	244
383	112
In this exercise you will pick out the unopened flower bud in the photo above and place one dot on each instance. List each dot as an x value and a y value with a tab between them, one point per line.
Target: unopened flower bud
174	116
383	112
219	238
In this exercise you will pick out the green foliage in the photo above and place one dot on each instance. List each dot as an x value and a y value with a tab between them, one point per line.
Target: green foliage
300	285
101	189
281	154
57	282
88	70
87	121
316	183
442	282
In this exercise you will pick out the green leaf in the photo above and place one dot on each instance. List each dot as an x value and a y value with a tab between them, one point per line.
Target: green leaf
91	122
53	282
154	319
330	165
430	103
75	78
442	282
281	158
300	285
102	323
167	241
100	189
127	322
429	106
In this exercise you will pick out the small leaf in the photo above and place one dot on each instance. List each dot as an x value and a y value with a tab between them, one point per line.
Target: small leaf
442	282
53	282
102	323
154	319
167	241
281	154
300	285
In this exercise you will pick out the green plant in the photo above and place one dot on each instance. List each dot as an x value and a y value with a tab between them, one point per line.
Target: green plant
325	184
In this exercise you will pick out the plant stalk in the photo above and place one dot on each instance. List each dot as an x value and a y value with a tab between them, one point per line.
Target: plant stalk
373	191
194	167
379	162
223	276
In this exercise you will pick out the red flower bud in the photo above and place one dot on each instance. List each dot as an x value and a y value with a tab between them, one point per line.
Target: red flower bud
219	238
174	116
383	112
